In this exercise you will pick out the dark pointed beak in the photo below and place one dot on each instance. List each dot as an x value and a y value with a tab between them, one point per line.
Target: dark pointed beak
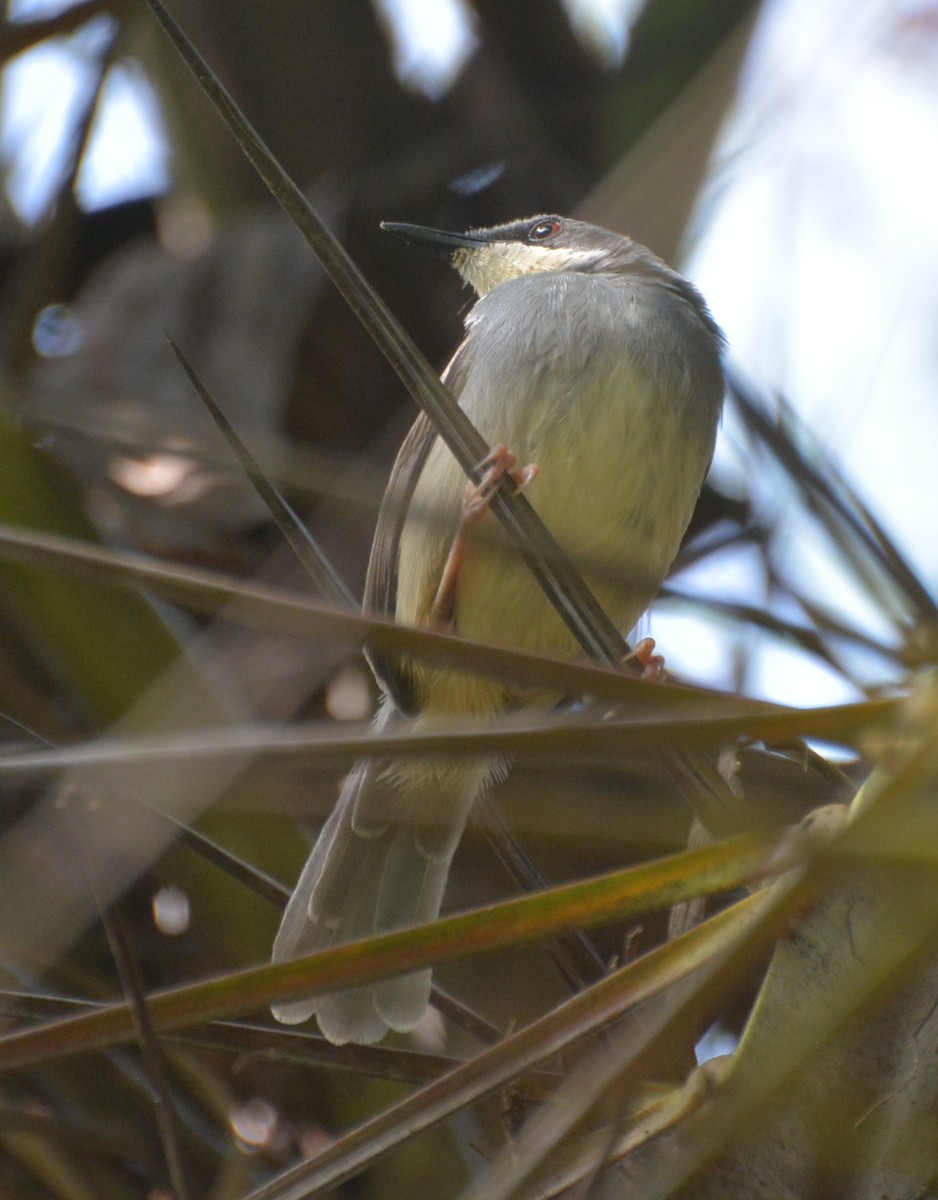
438	240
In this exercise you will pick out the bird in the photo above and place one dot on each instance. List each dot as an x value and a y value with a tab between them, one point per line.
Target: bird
591	361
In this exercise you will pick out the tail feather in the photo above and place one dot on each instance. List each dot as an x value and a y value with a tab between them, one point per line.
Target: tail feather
368	875
400	1003
351	1016
410	893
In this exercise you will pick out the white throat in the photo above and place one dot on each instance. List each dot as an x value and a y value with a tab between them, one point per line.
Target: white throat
488	266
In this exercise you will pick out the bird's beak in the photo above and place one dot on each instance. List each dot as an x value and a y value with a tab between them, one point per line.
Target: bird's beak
438	240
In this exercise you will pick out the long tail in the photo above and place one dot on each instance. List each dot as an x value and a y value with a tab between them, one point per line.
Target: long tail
380	863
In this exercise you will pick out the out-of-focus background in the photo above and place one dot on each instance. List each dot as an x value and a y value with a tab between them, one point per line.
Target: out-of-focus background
793	181
783	154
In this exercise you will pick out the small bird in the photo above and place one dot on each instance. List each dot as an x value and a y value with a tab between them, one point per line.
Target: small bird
592	361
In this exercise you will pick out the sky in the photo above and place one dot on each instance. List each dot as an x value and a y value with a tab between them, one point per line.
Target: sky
820	260
816	245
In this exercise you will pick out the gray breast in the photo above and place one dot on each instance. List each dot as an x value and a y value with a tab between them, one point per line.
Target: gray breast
567	331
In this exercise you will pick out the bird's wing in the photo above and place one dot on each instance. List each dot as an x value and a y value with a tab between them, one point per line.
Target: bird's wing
380	595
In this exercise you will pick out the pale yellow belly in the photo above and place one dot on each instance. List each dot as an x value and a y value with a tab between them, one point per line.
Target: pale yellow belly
616	490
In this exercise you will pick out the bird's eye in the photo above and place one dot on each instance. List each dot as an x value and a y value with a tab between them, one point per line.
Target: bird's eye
543	230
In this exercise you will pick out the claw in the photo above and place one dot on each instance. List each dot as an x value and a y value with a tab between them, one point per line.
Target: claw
652	664
497	464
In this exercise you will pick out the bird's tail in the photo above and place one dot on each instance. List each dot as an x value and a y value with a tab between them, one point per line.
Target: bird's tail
380	863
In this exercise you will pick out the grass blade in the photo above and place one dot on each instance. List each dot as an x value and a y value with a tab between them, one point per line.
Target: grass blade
530	919
324	576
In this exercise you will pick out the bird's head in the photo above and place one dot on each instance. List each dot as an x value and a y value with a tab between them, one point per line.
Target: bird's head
487	257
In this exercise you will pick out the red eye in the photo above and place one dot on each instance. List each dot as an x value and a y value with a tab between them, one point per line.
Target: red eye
543	230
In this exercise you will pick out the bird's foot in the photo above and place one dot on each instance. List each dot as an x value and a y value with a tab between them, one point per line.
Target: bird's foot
652	664
498	464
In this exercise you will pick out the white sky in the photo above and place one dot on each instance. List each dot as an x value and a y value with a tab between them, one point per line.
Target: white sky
817	247
820	259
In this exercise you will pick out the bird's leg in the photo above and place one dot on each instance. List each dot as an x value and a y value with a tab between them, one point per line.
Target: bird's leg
477	498
652	664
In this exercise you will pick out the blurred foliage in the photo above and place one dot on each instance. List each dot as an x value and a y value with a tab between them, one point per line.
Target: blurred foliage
222	720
